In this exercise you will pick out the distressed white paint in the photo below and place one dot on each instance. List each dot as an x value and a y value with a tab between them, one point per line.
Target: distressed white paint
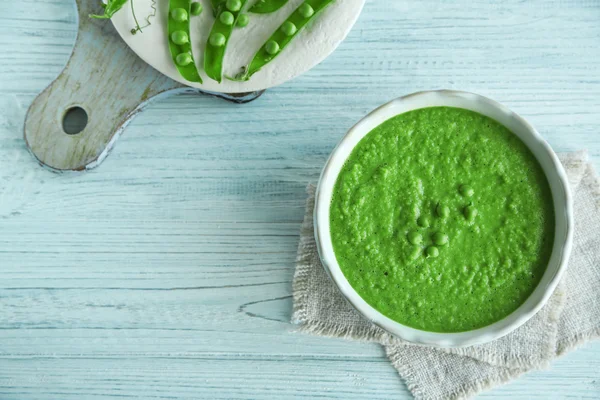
166	272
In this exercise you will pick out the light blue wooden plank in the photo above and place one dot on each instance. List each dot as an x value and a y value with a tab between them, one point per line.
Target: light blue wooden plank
166	272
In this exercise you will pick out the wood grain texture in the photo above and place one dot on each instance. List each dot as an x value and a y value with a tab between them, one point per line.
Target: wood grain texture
166	272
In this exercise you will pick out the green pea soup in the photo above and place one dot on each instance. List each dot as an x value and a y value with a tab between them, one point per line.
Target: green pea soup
442	220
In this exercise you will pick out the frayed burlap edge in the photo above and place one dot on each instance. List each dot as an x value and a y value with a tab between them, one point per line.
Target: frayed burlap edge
464	392
581	338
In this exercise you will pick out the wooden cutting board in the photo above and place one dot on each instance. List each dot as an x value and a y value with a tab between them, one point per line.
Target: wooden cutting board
110	83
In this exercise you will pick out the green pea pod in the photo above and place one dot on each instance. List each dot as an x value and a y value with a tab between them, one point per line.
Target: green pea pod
267	6
282	37
112	6
182	52
214	52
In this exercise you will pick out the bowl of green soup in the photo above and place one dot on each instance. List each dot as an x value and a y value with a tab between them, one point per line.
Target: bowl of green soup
444	218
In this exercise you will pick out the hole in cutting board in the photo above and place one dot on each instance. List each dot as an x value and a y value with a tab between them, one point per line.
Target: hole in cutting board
74	120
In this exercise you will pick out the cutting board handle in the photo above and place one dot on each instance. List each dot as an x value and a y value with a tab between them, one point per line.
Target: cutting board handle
110	83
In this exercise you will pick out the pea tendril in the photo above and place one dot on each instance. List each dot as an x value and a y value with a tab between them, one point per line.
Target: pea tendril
137	24
112	6
139	28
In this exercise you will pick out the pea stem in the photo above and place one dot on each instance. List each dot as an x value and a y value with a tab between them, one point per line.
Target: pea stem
137	24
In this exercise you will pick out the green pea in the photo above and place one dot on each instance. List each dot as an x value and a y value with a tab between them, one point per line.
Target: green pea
466	190
423	221
227	18
179	15
183	59
415	252
233	5
432	251
180	38
272	47
306	10
196	8
288	28
439	238
414	237
470	212
442	210
217	39
243	20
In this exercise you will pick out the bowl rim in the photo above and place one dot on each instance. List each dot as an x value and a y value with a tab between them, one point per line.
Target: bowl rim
563	210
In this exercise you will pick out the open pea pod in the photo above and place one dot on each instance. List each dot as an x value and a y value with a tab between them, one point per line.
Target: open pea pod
267	6
179	39
214	53
286	32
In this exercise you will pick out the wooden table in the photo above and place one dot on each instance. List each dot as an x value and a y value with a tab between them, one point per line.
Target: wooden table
166	272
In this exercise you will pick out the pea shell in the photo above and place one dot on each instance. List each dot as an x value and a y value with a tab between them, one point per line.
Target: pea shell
263	57
214	55
189	71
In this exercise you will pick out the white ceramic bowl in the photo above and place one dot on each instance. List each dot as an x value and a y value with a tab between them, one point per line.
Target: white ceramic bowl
561	195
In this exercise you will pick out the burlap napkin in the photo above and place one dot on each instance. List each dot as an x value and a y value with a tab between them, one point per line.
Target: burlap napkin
571	317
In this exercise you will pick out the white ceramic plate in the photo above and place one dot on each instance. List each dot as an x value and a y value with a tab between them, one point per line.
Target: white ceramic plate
316	41
557	179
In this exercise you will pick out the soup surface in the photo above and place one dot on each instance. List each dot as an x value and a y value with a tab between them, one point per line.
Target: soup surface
442	220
